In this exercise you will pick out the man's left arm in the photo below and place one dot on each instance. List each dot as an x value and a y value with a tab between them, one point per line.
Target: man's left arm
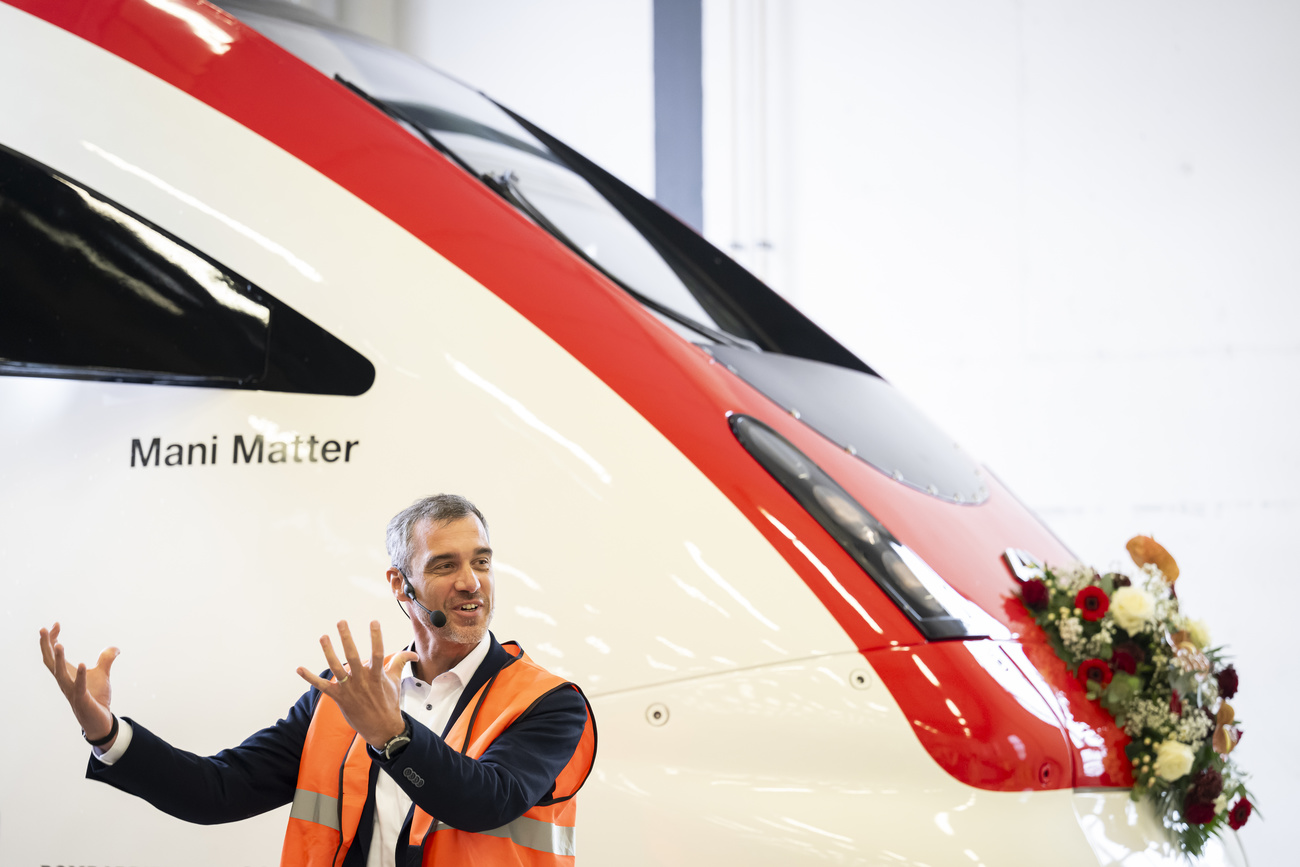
516	771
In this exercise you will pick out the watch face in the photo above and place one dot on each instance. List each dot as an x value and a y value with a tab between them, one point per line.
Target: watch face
396	745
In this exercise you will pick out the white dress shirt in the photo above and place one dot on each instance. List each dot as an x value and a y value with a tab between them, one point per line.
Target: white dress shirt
429	704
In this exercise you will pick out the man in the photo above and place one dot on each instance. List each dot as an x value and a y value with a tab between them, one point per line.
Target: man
457	750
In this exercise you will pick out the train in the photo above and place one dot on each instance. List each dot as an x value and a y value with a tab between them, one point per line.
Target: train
264	282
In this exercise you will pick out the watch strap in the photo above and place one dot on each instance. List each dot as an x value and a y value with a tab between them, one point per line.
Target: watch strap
397	743
112	733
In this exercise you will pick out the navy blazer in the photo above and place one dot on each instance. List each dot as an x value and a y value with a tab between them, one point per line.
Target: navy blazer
517	771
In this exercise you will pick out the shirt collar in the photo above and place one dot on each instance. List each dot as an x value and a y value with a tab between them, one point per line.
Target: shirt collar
463	670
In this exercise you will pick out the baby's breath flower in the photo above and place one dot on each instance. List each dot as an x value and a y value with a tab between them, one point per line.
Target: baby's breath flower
1194	726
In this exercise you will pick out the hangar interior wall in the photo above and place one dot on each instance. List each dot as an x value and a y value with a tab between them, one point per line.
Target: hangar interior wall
1067	232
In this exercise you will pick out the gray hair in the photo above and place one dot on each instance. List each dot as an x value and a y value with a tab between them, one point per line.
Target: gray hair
439	509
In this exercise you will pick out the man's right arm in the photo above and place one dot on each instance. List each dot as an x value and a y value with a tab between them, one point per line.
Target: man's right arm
258	775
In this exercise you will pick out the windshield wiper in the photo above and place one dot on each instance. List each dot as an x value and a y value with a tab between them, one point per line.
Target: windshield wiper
397	114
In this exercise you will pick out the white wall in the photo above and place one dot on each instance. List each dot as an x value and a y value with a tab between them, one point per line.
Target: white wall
1070	232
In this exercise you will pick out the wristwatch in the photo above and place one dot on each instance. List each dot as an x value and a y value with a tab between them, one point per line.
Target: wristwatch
397	743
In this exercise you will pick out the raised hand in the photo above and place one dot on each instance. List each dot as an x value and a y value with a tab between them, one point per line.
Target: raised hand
366	692
88	691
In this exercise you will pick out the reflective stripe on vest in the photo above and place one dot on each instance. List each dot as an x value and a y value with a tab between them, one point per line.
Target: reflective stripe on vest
535	834
315	807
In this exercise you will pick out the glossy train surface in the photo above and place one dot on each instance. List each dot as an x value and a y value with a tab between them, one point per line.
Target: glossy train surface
786	595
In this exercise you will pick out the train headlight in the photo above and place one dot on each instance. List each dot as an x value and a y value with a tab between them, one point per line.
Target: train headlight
933	606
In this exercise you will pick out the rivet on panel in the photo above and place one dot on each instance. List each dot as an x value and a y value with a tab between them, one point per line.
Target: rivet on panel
860	678
656	714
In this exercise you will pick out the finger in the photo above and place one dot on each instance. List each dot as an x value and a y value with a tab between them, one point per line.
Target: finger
61	669
79	685
398	662
333	661
315	680
47	649
376	646
349	646
106	657
54	632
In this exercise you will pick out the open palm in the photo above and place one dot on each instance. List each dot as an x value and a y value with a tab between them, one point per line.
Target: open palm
87	690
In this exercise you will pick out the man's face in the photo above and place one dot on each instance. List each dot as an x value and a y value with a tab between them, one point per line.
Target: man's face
451	569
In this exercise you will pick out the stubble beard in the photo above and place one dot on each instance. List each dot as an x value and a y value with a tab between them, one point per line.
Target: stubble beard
470	635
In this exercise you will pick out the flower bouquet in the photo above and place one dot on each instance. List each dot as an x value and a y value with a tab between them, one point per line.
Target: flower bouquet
1155	671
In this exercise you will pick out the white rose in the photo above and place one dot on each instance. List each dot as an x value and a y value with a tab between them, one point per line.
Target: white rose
1132	608
1199	633
1173	760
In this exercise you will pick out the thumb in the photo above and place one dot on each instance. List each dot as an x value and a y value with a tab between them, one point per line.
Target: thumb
399	660
106	657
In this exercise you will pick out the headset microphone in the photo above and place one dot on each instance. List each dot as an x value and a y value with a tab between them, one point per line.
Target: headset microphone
437	618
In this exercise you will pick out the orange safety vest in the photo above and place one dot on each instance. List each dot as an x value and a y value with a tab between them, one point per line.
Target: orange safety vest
334	781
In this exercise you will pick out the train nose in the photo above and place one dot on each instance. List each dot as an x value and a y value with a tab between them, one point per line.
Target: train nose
814	760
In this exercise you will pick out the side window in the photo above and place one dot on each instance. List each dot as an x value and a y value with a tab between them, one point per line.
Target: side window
89	290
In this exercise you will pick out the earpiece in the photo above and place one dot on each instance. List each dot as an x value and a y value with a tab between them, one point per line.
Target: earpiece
437	619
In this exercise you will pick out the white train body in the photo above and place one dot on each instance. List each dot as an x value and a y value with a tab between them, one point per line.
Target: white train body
737	658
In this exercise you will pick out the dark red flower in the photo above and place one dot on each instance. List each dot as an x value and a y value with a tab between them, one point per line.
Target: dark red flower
1122	660
1094	669
1205	787
1133	649
1175	704
1239	813
1199	814
1092	602
1227	682
1035	594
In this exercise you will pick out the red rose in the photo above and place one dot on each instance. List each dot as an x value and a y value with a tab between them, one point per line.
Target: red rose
1175	704
1122	660
1199	814
1239	813
1094	669
1092	602
1035	594
1227	682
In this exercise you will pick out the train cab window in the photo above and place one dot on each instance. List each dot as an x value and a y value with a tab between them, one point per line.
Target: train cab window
89	290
